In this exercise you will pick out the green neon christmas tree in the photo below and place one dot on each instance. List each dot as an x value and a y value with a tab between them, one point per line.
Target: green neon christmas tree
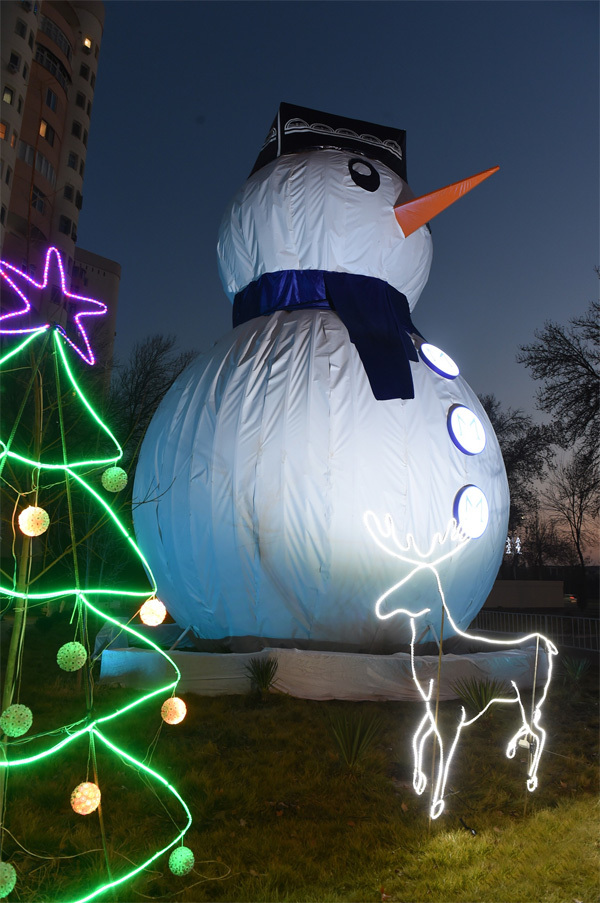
59	466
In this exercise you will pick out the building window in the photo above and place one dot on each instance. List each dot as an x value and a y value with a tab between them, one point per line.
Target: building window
21	28
84	71
89	108
64	225
20	105
30	40
49	61
51	99
47	132
87	43
96	51
3	215
93	80
8	175
25	71
76	129
85	137
8	94
28	153
80	99
14	62
72	160
79	200
56	34
38	199
13	139
3	131
68	192
81	168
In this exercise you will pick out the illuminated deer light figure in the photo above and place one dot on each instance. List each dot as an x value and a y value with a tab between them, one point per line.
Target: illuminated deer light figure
530	733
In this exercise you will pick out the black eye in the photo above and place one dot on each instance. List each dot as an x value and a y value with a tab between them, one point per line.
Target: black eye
364	174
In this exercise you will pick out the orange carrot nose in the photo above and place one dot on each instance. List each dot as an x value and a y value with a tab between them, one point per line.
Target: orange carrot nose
415	213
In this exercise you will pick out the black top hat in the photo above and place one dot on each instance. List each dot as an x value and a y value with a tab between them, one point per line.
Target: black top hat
298	128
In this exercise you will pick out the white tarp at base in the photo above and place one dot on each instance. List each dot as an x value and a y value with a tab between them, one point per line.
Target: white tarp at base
321	675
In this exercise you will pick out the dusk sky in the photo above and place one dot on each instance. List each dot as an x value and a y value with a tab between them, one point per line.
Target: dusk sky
186	93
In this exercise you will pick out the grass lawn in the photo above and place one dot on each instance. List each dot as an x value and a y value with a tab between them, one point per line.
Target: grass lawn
277	814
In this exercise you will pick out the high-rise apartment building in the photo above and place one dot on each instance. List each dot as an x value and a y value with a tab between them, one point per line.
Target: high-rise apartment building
49	61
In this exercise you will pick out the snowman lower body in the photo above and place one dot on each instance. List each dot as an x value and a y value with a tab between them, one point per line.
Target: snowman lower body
255	475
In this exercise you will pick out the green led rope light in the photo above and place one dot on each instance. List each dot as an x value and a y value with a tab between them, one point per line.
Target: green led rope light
92	729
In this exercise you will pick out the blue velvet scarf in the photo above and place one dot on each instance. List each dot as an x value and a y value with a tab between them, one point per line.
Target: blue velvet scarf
376	316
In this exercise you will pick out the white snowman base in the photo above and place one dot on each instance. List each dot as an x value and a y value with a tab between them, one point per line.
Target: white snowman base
257	470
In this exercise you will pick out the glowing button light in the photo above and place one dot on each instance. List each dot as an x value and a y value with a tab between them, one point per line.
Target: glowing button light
34	521
438	361
153	612
466	430
85	798
173	710
471	511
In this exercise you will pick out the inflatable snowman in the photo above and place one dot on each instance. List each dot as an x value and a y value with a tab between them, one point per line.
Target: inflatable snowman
323	402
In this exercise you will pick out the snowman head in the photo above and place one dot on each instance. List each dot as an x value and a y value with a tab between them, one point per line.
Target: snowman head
328	193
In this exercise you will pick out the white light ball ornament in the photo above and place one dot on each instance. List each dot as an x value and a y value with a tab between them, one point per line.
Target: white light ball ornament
85	798
114	479
34	521
8	879
16	720
173	710
181	861
71	656
153	612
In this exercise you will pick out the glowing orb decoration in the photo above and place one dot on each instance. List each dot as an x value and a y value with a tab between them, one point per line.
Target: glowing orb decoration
16	720
471	511
173	710
85	798
153	612
34	521
71	656
8	879
466	430
181	861
114	479
438	360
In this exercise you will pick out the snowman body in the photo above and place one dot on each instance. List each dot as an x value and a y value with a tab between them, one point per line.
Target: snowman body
262	459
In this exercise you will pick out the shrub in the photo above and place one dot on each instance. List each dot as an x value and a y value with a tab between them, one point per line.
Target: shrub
354	735
262	673
475	693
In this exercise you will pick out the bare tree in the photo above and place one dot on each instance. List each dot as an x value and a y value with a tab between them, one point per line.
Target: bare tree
526	449
542	544
139	386
566	360
572	496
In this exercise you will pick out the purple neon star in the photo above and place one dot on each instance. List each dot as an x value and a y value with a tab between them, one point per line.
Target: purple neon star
22	284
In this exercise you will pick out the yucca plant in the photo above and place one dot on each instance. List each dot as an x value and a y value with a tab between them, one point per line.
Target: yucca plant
476	692
574	668
355	736
262	673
